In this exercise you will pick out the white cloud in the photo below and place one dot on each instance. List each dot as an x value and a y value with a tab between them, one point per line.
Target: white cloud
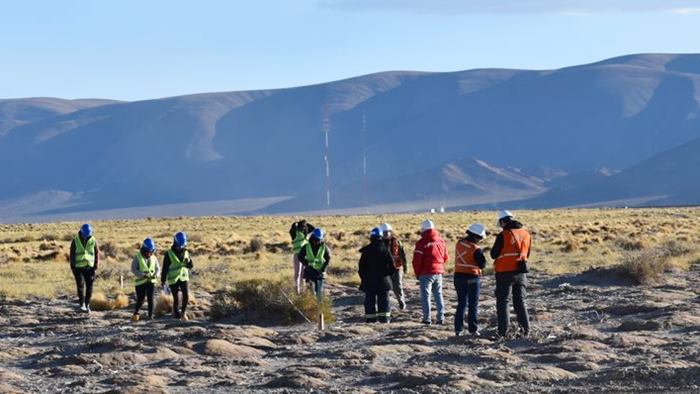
568	7
686	11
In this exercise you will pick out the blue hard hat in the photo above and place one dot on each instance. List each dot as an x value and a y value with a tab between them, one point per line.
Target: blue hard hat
181	239
376	233
86	230
318	234
149	245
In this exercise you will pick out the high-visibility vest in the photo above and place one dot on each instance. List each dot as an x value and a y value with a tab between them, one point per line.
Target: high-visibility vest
177	269
299	242
516	247
146	267
394	248
315	261
465	262
84	254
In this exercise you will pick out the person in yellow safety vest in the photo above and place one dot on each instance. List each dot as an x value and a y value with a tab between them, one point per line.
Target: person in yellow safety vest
315	257
510	252
299	233
176	265
398	255
146	269
84	258
469	261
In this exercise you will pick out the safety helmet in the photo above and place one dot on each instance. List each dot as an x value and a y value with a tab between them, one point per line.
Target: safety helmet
477	229
427	225
318	234
376	233
385	227
148	245
86	230
502	214
180	239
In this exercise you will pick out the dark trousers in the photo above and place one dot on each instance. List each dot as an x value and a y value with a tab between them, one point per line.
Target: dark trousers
377	306
84	278
468	289
505	281
145	290
175	288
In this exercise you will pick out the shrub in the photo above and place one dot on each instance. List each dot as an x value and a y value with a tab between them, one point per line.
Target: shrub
644	266
256	245
631	245
107	249
99	302
268	301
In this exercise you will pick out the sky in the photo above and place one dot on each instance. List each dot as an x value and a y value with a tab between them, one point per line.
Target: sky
134	50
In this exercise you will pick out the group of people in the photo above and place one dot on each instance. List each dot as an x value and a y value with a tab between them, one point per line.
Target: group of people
383	264
84	261
381	268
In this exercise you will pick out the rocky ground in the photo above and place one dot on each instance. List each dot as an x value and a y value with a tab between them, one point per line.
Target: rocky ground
592	332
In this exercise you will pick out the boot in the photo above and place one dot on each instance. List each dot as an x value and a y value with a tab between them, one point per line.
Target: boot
135	317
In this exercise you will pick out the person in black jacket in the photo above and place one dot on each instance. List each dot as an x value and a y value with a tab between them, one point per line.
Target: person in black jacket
375	269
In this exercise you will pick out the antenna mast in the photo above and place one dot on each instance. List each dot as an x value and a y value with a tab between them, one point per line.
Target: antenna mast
326	127
364	156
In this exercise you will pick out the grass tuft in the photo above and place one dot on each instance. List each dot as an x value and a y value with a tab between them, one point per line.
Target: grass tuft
273	301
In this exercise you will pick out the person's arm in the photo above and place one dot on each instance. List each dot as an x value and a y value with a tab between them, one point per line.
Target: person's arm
309	228
327	257
71	257
402	256
293	231
97	255
389	268
529	248
362	266
480	258
157	274
166	267
190	263
497	246
417	260
135	268
302	257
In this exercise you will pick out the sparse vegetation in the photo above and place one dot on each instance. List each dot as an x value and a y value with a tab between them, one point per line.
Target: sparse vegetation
100	302
228	250
271	301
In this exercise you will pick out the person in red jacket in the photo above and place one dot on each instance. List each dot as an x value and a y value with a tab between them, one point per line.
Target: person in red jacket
429	260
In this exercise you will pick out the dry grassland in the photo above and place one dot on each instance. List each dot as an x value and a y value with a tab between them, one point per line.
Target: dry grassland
226	250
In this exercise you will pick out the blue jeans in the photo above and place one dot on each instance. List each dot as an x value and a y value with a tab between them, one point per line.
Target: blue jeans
428	284
467	290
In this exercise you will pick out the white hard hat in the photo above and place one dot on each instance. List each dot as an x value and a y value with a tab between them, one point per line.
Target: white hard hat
385	227
504	214
477	229
427	225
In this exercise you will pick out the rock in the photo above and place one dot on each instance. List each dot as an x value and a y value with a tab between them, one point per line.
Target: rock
630	340
384	350
579	366
528	374
223	348
294	381
121	358
640	325
256	342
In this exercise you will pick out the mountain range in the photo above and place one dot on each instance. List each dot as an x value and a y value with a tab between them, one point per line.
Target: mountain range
623	131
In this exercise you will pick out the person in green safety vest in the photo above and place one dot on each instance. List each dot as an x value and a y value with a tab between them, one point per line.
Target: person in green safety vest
84	258
146	270
315	257
299	233
177	264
